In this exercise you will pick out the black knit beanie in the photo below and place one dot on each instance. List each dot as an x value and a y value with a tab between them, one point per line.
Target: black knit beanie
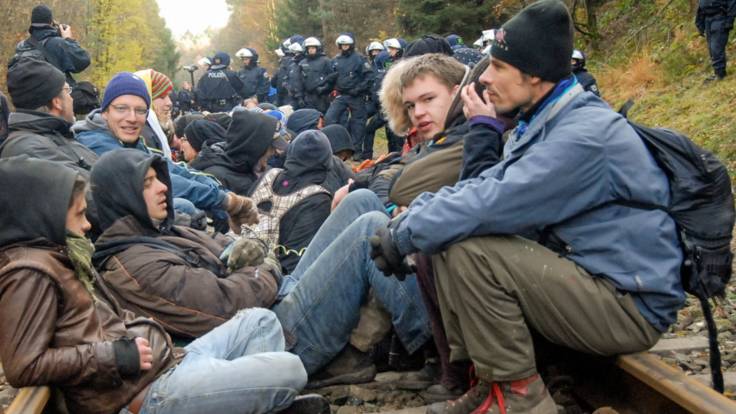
428	44
33	83
41	14
537	41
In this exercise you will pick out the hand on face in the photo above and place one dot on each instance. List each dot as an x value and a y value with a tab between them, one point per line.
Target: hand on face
474	105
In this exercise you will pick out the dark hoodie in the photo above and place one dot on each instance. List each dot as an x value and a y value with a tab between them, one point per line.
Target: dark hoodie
53	332
248	138
200	133
65	54
308	162
179	279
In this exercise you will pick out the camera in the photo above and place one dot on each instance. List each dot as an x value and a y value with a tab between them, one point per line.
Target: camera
190	68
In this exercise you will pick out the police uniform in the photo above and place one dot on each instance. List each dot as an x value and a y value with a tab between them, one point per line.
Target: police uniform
715	20
354	77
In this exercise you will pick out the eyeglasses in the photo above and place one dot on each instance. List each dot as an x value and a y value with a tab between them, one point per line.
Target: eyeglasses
125	109
67	89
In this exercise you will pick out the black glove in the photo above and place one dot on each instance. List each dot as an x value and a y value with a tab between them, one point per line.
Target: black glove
386	255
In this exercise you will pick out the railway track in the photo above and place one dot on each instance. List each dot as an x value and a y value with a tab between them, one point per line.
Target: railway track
636	383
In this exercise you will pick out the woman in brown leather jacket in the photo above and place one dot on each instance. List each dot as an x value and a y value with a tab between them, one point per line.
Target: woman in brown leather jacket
60	327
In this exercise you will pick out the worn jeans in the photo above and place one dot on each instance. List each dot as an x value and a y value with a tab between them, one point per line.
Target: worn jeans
332	280
238	367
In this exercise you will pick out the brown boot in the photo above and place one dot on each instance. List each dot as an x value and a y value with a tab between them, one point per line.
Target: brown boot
527	396
466	403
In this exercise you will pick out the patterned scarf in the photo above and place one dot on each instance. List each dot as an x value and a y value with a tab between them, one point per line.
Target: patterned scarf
80	251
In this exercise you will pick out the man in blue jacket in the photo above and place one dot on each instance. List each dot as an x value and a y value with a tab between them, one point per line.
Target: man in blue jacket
539	242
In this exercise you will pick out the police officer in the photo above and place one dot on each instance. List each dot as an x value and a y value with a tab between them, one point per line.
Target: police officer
463	54
218	90
714	21
255	78
372	50
353	81
314	71
185	98
587	81
395	51
278	79
293	76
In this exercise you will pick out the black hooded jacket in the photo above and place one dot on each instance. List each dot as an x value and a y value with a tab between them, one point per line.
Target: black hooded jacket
248	138
65	54
308	162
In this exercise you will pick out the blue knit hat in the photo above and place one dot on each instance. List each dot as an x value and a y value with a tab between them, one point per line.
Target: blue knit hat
125	83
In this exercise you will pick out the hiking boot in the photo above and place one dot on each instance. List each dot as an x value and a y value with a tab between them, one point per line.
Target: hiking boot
713	78
350	366
418	380
465	403
309	404
440	392
527	396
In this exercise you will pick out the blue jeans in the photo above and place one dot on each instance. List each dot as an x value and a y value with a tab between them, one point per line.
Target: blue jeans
332	280
240	366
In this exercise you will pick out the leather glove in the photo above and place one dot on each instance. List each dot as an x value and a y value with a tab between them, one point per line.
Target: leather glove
386	255
247	251
241	211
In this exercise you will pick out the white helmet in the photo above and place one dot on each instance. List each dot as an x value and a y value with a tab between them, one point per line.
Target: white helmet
374	46
478	43
244	53
488	35
296	48
576	54
205	61
279	52
312	42
392	43
344	40
286	43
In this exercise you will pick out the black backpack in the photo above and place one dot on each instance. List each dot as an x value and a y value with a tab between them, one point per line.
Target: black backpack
702	205
32	49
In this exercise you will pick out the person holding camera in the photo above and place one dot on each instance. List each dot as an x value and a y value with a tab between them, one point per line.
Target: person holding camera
53	43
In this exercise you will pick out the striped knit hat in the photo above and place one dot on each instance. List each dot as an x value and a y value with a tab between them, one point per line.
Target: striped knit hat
161	85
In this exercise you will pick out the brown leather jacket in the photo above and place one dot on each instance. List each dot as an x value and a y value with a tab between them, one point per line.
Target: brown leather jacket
187	299
54	333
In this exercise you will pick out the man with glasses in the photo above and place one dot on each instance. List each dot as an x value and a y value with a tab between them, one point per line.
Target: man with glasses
118	124
44	112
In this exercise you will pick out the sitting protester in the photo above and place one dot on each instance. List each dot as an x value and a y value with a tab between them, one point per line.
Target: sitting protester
138	240
304	119
118	124
175	275
200	134
539	239
252	139
292	202
44	112
61	327
340	141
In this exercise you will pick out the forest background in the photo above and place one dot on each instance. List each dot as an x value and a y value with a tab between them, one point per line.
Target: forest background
646	50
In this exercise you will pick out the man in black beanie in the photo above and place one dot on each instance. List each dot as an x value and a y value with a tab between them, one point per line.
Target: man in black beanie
53	43
541	240
44	112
